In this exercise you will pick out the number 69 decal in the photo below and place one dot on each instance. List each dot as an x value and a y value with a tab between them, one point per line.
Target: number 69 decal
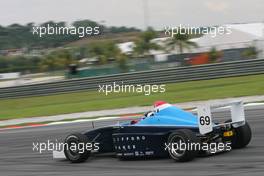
204	119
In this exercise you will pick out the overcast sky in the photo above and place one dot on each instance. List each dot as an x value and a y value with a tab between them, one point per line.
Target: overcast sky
161	13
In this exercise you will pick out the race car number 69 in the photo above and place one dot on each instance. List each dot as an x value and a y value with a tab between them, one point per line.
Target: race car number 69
205	120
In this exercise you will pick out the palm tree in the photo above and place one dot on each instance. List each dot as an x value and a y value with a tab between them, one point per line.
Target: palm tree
104	51
144	44
97	50
180	40
59	59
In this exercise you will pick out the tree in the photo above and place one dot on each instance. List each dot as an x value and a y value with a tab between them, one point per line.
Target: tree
214	55
64	57
104	51
122	62
21	36
19	64
85	23
122	29
59	59
180	40
250	53
48	63
96	50
144	44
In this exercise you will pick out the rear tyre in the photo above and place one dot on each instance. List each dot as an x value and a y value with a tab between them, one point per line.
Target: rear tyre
76	151
241	137
179	137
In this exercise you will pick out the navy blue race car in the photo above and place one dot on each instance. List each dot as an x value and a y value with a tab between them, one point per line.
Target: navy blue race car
167	131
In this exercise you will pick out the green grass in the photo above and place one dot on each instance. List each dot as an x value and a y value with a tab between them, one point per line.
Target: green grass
92	100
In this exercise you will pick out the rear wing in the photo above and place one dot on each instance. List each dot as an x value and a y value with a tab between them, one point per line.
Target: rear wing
205	116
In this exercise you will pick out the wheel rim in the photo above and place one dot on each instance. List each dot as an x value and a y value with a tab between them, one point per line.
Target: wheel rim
175	150
73	154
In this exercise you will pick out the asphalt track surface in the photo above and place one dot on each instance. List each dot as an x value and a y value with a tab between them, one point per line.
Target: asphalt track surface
18	158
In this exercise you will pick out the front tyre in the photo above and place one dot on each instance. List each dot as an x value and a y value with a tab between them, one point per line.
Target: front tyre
180	137
242	136
75	149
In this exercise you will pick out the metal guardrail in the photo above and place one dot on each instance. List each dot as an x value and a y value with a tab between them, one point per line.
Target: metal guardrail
170	75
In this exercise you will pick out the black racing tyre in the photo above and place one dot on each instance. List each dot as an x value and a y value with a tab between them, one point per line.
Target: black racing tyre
183	136
72	152
242	136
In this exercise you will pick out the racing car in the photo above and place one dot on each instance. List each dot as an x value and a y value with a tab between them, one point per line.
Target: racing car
160	132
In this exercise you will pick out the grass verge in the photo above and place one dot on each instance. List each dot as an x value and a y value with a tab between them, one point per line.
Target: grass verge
93	100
